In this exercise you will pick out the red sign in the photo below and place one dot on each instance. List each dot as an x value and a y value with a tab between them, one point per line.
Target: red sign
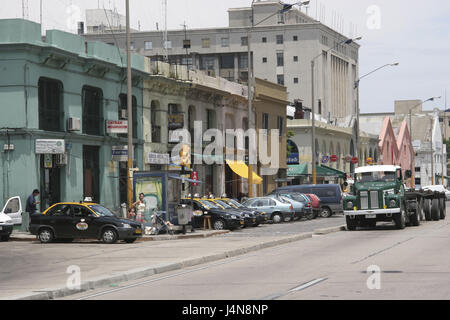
116	126
355	160
194	176
333	158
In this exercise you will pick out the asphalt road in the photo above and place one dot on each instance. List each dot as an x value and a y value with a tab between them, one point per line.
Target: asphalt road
413	264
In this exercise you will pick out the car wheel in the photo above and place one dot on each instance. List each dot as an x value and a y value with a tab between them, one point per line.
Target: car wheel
5	238
219	224
109	236
400	220
130	240
276	218
310	216
325	212
435	212
46	235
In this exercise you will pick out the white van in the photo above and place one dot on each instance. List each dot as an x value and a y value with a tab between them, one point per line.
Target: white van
6	227
13	209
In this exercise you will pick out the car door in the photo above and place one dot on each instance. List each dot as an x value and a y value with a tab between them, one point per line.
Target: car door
60	218
84	222
13	209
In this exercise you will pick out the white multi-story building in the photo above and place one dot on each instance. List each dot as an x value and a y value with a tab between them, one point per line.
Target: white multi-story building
102	20
282	49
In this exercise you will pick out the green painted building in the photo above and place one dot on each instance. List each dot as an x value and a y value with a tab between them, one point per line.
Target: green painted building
62	87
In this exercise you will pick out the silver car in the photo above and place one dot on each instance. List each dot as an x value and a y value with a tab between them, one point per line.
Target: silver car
299	207
277	209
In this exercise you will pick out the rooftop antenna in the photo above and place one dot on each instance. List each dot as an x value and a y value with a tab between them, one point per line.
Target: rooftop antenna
165	38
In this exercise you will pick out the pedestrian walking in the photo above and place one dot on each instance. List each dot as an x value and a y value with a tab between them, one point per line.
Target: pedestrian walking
29	210
140	206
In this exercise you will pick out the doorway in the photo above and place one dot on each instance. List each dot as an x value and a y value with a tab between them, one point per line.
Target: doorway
50	181
91	173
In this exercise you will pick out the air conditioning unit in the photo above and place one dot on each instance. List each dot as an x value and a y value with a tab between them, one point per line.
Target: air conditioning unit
73	124
123	114
61	159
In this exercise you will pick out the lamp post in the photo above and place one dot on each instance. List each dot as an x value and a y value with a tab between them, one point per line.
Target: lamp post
313	127
357	100
286	7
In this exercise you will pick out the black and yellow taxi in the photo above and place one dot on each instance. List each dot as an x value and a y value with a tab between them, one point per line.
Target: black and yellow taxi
249	217
67	221
220	219
259	216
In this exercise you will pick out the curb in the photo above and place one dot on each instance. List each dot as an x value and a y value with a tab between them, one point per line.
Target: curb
54	293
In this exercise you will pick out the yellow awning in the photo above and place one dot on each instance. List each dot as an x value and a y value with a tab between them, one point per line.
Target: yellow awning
241	169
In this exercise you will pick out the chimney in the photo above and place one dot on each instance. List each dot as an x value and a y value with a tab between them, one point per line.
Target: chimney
80	28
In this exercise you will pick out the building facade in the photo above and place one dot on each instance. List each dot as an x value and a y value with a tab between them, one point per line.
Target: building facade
56	96
282	50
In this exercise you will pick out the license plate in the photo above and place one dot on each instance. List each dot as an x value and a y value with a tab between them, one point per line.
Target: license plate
138	231
242	222
371	216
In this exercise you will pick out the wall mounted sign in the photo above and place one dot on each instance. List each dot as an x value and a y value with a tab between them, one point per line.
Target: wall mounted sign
50	146
116	126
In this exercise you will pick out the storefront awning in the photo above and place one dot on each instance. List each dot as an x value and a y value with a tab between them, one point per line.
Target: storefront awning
297	170
241	169
324	171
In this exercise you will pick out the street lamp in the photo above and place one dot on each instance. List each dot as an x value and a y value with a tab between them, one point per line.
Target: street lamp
286	7
412	148
357	99
313	128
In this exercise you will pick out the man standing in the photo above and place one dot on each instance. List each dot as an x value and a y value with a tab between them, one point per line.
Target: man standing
30	209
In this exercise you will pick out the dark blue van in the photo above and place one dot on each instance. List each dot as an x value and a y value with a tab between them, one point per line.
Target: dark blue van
330	196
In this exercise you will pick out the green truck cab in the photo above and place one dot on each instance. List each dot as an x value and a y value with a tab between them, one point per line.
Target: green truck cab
378	194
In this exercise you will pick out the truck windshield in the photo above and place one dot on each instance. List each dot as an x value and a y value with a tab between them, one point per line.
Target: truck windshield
377	176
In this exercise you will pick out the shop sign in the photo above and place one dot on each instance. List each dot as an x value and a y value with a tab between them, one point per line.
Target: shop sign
333	158
119	153
158	158
194	176
348	159
325	159
293	158
49	146
116	126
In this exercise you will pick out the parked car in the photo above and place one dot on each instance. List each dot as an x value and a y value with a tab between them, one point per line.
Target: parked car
6	227
220	218
315	203
330	196
438	188
13	209
249	218
261	216
300	197
299	207
278	210
67	221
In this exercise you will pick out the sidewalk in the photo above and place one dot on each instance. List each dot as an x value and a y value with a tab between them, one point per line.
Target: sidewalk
25	236
43	269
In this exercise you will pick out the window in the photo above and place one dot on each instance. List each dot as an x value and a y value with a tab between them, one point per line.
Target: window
417	169
295	38
60	210
280	125
281	18
244	41
280	59
226	61
264	60
265	121
225	42
280	39
417	181
280	79
243	61
206	43
132	46
295	58
168	45
92	102
207	63
264	40
79	211
320	106
123	105
51	115
210	119
148	45
156	128
296	80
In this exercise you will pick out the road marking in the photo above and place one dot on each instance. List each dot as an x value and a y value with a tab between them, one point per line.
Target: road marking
308	284
382	250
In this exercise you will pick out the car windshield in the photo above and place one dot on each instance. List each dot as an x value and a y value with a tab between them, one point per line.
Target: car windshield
209	204
235	203
376	176
223	204
102	211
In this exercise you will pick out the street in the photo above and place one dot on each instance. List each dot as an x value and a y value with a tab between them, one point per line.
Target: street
414	264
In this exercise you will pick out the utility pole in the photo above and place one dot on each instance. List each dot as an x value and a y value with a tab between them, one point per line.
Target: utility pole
40	12
130	109
313	128
250	108
432	152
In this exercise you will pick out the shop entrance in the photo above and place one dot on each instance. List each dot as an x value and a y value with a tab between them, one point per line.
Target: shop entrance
91	172
123	182
50	181
232	182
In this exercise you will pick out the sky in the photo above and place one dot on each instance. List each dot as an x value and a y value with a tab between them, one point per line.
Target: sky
414	33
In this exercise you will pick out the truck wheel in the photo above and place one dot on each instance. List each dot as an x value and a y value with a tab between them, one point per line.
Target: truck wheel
421	212
427	209
5	238
400	220
444	212
414	218
435	212
351	224
442	209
